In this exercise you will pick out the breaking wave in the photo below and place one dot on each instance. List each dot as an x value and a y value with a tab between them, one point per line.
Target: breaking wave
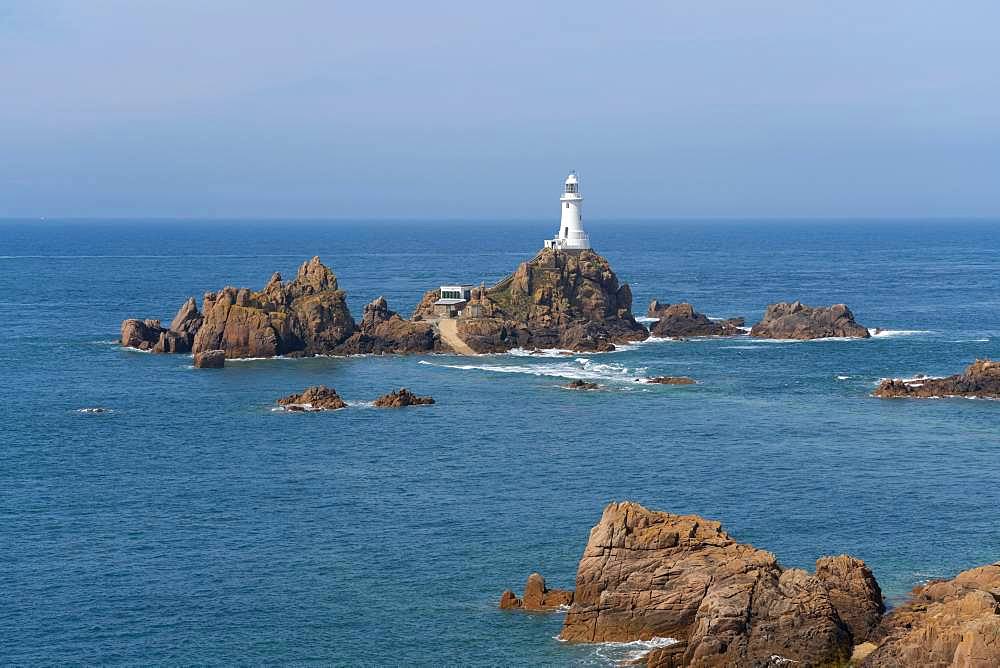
890	333
94	410
580	368
617	653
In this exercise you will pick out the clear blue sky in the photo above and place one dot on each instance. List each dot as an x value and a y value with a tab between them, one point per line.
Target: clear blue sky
467	109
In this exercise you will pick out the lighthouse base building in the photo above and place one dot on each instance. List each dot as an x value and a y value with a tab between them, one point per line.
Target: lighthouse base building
571	235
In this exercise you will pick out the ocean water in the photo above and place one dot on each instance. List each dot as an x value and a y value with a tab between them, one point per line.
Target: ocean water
191	524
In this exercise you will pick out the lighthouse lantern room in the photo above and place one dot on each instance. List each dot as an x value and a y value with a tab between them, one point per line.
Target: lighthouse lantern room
571	235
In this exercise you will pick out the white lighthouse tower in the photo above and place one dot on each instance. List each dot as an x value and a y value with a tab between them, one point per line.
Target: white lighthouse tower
571	235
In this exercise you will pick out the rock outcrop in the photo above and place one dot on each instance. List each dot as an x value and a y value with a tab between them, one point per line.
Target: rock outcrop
681	320
647	574
671	380
946	623
151	335
316	398
306	315
981	379
401	398
537	597
854	592
559	299
798	321
210	359
384	331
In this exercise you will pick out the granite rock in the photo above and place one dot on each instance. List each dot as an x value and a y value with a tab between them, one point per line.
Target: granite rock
981	379
798	321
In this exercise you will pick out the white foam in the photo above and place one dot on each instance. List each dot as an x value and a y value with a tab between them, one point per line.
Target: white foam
618	652
580	368
539	352
95	410
306	407
360	404
135	350
646	319
890	333
843	377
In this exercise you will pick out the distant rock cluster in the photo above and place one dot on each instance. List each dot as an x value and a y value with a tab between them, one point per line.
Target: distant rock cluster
785	320
558	299
323	398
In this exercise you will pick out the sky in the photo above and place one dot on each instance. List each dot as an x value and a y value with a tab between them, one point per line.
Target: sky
669	109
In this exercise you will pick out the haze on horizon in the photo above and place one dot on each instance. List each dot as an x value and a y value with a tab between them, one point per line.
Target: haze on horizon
462	110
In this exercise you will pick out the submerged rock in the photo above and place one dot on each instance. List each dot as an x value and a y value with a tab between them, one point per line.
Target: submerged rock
316	398
798	321
679	320
671	380
647	574
581	385
401	398
945	623
210	359
981	379
537	597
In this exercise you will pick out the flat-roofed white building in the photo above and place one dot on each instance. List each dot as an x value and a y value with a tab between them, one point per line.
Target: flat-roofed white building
452	300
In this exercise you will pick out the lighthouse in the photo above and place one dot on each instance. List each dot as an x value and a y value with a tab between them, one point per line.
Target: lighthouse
571	235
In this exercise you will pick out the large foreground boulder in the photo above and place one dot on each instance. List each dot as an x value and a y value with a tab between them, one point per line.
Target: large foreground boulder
681	320
981	379
946	623
798	321
647	574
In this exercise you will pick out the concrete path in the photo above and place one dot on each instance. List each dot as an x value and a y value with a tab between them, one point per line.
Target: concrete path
448	329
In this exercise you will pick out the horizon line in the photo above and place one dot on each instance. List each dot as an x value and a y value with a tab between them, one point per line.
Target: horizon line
447	219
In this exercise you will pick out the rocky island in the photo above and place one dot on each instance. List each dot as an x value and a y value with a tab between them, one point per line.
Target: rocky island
560	298
681	320
980	380
646	574
316	398
797	321
401	398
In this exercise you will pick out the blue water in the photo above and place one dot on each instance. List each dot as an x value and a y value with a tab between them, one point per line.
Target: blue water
192	524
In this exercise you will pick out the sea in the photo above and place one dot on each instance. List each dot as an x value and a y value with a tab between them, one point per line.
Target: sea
189	522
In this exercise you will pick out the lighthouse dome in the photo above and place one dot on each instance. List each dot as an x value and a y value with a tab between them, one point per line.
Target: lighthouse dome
571	178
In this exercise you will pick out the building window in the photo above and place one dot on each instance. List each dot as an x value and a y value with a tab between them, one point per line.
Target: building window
567	205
